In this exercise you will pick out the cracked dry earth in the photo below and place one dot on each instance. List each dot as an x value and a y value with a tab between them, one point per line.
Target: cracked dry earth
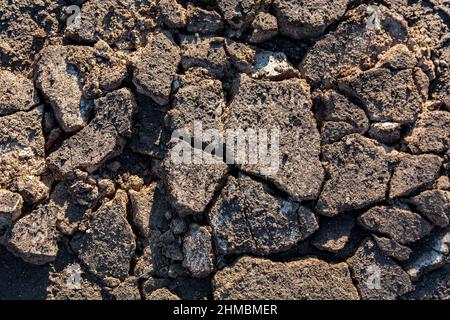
92	207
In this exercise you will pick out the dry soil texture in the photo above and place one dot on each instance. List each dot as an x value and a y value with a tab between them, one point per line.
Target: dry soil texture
93	206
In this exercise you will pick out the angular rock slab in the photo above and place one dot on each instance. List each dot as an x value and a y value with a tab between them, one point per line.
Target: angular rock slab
399	57
101	140
198	252
192	182
398	223
414	173
199	100
238	13
264	28
377	277
27	26
115	22
432	254
71	76
434	205
173	14
333	235
247	218
392	248
17	92
359	169
22	146
295	167
32	189
108	245
428	27
431	134
87	150
301	20
149	208
59	75
206	52
118	109
69	214
127	290
307	279
352	46
34	238
155	66
441	91
386	95
434	286
340	117
203	21
424	260
10	207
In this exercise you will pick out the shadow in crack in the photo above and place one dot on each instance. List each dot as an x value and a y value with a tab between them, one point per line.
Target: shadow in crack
20	280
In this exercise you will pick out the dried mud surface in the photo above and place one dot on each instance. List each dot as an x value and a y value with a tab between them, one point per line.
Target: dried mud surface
92	207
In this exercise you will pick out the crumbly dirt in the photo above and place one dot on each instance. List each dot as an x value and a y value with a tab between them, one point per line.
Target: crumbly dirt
93	206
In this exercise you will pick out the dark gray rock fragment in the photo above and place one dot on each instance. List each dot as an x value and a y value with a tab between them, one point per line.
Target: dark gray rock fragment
377	277
238	13
431	133
340	117
399	223
434	205
396	98
17	92
352	46
22	147
127	290
203	21
306	279
192	178
10	208
34	238
149	134
295	167
414	173
205	52
173	14
334	234
155	66
432	254
198	252
434	286
102	140
264	28
247	218
108	245
199	101
360	171
301	20
392	248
